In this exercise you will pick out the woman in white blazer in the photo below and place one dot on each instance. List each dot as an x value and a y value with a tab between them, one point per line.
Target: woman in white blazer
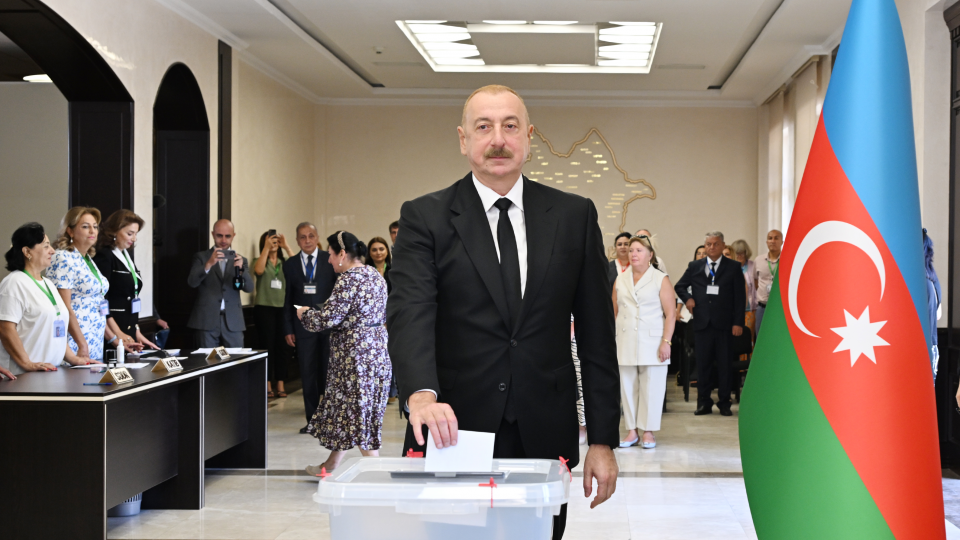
645	307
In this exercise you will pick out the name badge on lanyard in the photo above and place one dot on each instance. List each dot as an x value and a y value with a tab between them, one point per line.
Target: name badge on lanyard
59	328
135	305
713	289
104	308
276	284
309	288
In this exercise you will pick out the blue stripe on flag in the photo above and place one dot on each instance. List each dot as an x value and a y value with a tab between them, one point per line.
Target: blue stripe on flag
868	116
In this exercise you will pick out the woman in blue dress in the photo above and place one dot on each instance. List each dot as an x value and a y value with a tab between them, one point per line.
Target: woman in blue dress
80	283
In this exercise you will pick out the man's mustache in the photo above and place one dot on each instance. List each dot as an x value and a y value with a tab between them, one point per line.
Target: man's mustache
498	153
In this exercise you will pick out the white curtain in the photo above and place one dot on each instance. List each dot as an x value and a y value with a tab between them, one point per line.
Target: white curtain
787	123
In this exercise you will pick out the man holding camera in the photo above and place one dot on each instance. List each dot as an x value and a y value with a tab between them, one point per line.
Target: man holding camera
219	274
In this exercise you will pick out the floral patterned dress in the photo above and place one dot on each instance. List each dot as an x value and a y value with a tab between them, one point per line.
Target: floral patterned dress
358	379
69	271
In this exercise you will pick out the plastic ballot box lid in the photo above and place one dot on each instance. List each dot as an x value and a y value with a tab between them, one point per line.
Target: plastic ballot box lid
395	498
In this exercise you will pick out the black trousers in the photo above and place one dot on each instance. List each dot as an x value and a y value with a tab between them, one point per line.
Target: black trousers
713	366
507	444
313	355
269	321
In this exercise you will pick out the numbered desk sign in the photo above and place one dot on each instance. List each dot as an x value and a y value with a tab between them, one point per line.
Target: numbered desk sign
167	365
117	376
220	353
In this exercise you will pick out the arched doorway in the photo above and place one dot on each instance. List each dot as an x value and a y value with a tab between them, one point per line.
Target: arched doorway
181	194
100	108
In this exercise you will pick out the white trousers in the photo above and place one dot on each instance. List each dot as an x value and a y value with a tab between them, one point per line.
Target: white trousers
642	389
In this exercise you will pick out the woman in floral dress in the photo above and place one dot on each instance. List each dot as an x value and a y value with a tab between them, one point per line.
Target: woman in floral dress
80	283
358	379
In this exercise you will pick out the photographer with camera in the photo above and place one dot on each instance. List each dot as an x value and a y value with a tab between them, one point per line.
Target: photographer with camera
219	274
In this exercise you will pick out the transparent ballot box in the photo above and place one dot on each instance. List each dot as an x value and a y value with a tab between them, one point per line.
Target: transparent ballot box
377	498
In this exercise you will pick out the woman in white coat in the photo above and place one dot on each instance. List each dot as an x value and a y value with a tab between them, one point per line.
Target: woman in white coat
645	307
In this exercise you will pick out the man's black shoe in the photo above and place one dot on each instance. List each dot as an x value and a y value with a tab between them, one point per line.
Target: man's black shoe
303	429
726	412
704	409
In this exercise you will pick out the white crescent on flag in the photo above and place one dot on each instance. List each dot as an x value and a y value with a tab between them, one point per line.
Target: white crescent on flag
824	233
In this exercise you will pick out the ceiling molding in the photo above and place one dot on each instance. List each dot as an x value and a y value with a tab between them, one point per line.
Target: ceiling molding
535	102
790	68
280	78
309	40
551	93
204	22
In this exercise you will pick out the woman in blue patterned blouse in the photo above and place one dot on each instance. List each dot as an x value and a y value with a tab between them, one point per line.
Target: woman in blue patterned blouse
80	283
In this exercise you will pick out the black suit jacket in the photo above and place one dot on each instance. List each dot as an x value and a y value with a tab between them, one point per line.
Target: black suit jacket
722	311
122	291
323	276
448	318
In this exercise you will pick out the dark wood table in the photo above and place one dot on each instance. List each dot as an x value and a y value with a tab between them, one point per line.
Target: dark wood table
70	452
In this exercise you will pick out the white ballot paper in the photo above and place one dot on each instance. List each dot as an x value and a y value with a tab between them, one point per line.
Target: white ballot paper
472	453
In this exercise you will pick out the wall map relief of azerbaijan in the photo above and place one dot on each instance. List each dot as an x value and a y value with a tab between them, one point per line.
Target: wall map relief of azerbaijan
589	169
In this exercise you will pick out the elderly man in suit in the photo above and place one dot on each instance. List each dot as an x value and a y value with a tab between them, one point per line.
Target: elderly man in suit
717	303
488	272
217	315
310	279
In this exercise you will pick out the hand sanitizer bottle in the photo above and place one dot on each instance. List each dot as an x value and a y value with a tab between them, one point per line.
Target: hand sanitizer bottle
121	354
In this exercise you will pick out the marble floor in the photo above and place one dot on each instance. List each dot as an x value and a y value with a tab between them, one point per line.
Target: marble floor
690	486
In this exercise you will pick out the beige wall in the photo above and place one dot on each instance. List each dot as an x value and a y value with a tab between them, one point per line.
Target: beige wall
275	176
33	158
702	162
928	52
141	40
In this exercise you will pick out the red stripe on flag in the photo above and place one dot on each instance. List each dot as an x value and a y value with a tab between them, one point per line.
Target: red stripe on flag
882	412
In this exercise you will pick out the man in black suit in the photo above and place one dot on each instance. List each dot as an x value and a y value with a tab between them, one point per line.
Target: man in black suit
486	275
718	303
310	280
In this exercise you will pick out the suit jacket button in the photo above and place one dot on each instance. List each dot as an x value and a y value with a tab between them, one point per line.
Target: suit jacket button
503	387
513	343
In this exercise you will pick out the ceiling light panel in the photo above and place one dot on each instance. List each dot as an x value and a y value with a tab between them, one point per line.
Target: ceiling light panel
617	47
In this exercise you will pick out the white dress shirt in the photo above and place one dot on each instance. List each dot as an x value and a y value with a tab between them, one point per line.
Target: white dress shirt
488	198
715	268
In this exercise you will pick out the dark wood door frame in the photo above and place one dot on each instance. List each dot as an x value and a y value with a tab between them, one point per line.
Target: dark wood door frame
100	108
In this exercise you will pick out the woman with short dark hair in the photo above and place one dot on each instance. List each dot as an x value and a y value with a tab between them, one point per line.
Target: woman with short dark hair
358	379
33	318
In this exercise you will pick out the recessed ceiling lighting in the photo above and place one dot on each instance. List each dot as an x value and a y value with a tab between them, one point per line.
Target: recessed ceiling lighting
629	30
38	78
628	47
424	38
613	38
448	46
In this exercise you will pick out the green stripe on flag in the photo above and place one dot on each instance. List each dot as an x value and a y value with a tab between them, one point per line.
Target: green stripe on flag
800	482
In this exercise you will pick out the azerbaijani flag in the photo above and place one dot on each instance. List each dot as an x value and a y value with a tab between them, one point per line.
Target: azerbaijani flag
838	431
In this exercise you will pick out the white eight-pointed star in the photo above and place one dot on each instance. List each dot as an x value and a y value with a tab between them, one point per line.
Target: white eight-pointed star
860	336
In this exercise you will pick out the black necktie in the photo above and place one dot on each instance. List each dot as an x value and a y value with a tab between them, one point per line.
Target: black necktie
713	272
309	267
509	260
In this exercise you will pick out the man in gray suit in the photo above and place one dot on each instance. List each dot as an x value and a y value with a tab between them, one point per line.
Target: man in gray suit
217	315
